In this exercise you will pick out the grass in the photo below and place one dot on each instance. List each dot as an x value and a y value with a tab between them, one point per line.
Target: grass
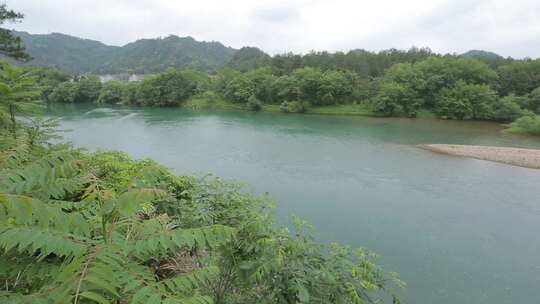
344	109
425	114
218	104
202	103
517	131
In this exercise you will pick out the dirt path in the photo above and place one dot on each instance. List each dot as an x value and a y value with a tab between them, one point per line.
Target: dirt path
527	158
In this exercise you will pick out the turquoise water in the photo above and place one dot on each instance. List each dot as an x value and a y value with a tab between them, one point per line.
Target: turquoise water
457	230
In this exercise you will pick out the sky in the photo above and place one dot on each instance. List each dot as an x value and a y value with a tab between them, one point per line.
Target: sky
507	27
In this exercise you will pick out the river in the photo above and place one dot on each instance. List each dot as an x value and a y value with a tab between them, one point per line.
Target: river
457	230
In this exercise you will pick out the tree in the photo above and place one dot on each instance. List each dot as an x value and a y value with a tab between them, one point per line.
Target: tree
170	88
111	92
18	93
395	99
64	92
534	101
87	89
466	102
49	79
527	124
519	77
240	89
254	104
10	45
508	108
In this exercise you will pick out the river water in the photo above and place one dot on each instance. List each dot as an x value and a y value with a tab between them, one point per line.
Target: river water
457	230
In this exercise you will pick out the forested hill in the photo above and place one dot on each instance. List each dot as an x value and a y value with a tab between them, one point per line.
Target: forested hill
76	55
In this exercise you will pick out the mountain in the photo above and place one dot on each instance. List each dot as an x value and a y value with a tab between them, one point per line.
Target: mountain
479	54
72	54
248	58
492	59
76	55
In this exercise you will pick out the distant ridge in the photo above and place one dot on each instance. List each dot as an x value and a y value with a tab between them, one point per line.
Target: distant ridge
145	56
77	55
480	54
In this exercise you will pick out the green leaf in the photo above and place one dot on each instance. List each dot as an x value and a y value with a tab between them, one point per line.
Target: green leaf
95	297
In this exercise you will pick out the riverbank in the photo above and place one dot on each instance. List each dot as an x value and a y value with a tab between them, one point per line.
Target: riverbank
528	158
339	109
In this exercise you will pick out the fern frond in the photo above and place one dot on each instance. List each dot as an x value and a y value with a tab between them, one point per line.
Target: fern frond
18	298
25	273
16	155
175	240
53	176
96	276
35	240
186	284
22	210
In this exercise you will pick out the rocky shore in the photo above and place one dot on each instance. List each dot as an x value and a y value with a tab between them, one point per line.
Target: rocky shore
528	158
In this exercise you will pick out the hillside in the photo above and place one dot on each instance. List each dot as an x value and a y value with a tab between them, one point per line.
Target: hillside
492	59
72	54
248	58
479	54
77	55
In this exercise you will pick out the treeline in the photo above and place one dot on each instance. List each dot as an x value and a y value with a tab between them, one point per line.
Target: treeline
458	88
387	83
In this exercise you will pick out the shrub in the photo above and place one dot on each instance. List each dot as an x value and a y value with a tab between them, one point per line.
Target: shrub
528	124
254	104
396	99
466	102
112	92
507	109
293	107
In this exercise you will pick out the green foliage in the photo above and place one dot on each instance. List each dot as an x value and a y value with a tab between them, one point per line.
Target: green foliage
239	89
293	107
10	45
19	93
84	89
49	79
527	124
112	92
248	58
64	92
396	99
519	77
306	85
167	89
508	108
254	104
79	56
466	102
98	242
87	89
533	103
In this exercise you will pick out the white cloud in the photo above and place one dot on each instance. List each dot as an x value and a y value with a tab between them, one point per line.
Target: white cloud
508	27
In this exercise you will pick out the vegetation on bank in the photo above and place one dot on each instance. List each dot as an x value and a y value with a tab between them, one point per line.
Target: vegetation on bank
529	124
414	83
443	87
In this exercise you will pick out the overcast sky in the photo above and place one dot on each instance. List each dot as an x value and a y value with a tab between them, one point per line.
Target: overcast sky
508	27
